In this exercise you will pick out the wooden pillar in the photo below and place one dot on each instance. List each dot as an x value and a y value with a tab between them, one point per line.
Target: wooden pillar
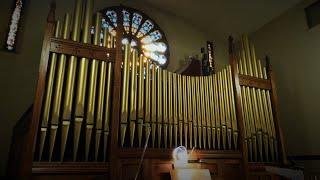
237	96
116	103
276	114
23	169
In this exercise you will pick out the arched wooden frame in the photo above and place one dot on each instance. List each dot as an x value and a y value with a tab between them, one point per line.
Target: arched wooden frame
129	35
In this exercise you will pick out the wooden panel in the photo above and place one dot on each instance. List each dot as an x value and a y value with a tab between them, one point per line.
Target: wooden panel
78	49
250	81
61	171
74	167
167	153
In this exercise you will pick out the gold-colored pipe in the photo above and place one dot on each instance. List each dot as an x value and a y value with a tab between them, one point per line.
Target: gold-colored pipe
245	111
48	93
185	109
175	109
160	108
107	109
222	109
170	108
260	107
72	63
217	109
203	111
148	98
256	114
267	118
207	110
252	141
58	91
107	98
81	82
227	107
165	107
125	93
180	109
233	110
154	104
141	98
212	111
92	92
101	97
274	137
194	111
189	95
248	71
199	113
133	96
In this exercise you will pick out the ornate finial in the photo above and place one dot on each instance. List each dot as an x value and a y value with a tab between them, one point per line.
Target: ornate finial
230	44
51	15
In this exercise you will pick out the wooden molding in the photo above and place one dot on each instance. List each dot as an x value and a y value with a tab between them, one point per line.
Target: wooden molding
250	81
78	49
167	153
69	167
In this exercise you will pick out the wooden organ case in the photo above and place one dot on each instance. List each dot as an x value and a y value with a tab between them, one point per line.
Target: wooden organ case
97	99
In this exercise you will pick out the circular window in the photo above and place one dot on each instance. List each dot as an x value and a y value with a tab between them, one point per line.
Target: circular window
139	30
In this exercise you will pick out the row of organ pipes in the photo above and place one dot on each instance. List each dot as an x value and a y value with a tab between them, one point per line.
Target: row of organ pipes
78	93
193	111
180	110
260	133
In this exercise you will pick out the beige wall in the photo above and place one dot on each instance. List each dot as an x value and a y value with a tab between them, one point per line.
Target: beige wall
19	72
295	55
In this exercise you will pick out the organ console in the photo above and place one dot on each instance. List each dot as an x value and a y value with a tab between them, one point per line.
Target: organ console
97	97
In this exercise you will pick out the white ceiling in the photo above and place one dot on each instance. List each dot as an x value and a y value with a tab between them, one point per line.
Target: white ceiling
220	18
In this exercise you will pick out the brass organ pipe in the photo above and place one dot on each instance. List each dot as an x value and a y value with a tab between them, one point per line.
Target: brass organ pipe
100	98
72	63
245	90
189	94
212	111
194	111
217	109
170	108
222	109
207	111
154	104
125	93
203	111
58	95
180	109
274	137
175	109
185	109
92	93
147	98
160	110
133	95
141	98
256	114
260	107
265	109
233	110
81	82
198	92
227	108
246	116
48	93
107	101
165	107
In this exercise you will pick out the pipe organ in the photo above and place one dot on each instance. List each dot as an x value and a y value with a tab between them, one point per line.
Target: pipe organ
193	111
97	98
